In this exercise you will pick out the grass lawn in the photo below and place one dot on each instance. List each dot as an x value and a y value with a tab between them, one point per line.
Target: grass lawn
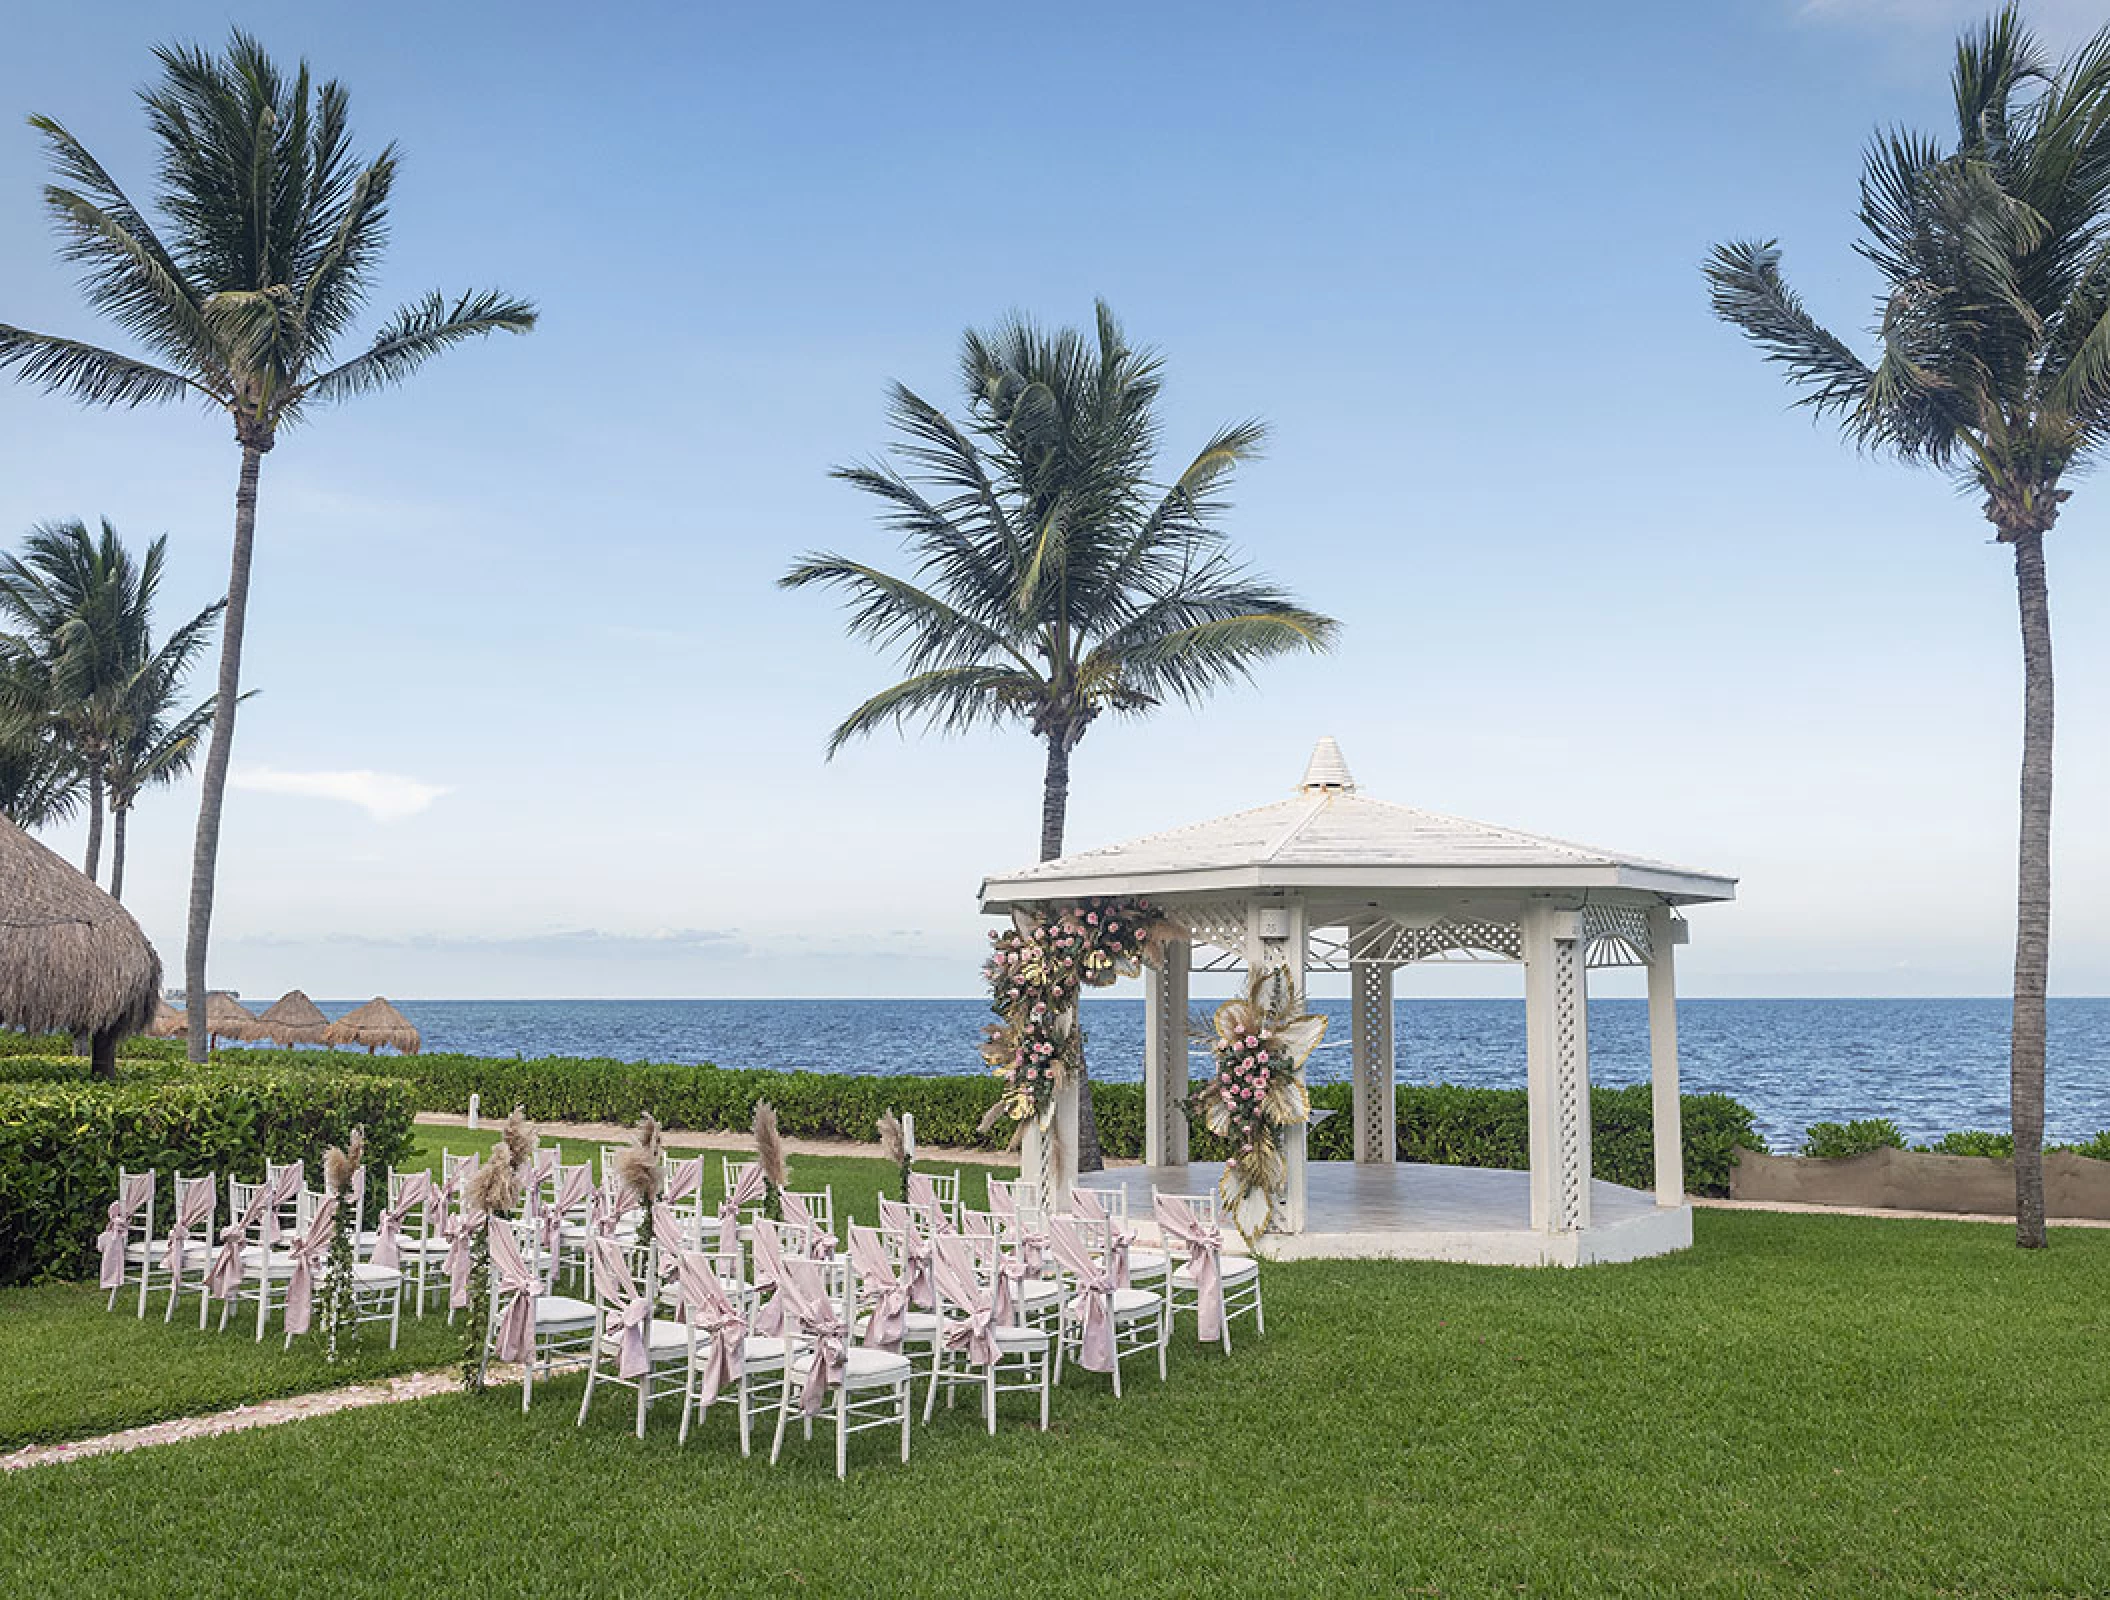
1799	1405
68	1370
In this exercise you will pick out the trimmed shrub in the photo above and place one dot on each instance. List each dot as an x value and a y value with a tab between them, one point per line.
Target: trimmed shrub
1440	1123
62	1142
1834	1139
1972	1142
13	1042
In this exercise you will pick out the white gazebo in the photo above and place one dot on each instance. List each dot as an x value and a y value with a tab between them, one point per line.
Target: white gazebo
1331	880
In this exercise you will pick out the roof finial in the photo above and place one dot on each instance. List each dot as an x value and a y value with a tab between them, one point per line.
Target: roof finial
1327	771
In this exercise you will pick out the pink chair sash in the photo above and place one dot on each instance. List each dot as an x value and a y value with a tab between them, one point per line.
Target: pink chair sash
194	1203
915	1268
746	1190
819	1243
1030	1243
922	1192
770	1275
574	1191
514	1287
542	1166
1204	1244
309	1248
886	1325
282	1188
1094	1302
226	1274
630	1312
973	1330
138	1190
459	1230
684	1179
417	1189
1119	1237
820	1320
711	1311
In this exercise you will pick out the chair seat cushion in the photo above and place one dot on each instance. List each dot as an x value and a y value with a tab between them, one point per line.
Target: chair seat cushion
559	1311
862	1369
763	1352
917	1327
1236	1269
253	1258
663	1339
1019	1340
1130	1304
1147	1263
365	1275
194	1254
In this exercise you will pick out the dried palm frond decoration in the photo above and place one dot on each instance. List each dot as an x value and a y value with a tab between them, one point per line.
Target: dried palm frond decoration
1260	1041
1035	971
495	1189
893	1144
769	1154
339	1167
519	1139
637	1164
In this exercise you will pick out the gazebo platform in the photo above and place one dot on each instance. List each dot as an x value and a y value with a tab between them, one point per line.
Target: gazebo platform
1405	1211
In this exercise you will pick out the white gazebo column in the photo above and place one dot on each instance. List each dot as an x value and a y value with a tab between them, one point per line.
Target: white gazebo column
1165	1056
1556	1026
1376	1104
1048	1157
1665	933
1275	937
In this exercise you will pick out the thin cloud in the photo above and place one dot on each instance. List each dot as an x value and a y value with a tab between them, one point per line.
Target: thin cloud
384	796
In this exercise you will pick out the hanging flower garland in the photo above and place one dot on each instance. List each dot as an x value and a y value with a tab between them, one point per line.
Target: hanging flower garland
340	1319
1260	1042
1035	971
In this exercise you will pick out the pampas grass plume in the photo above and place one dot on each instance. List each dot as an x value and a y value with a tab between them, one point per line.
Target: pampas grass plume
893	1144
769	1143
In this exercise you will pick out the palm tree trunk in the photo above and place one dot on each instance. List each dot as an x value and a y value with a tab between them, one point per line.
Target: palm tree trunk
206	856
117	851
102	1057
1055	795
95	821
2032	896
1054	812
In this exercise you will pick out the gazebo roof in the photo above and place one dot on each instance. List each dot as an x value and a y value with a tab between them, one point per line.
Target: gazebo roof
1329	837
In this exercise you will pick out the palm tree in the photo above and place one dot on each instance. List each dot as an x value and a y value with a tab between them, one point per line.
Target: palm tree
86	667
75	604
39	784
1055	580
155	741
272	231
1995	366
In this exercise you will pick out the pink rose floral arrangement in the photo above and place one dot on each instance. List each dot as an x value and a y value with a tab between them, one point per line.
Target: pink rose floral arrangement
1260	1041
1035	971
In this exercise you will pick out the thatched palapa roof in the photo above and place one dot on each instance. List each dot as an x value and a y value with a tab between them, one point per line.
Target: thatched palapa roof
227	1018
168	1023
293	1019
375	1025
72	960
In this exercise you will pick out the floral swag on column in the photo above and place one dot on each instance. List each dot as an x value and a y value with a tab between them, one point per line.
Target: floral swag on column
1035	971
1260	1043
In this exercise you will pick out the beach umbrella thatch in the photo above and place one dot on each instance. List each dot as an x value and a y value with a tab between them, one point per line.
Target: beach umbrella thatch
72	960
375	1025
168	1023
227	1018
292	1019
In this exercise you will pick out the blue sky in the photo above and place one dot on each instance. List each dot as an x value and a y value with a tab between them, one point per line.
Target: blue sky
1597	579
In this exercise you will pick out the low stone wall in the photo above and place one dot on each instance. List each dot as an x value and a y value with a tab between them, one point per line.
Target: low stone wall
1910	1180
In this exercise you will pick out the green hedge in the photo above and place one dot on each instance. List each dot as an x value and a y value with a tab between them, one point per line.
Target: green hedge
1441	1123
62	1140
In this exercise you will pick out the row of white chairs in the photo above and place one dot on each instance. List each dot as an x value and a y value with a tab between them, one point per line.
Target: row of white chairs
998	1302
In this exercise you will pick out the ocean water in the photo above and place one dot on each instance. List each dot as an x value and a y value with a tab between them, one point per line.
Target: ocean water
1930	1065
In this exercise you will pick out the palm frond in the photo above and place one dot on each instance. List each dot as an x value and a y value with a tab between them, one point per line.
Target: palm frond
950	700
88	373
925	629
414	335
1748	291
